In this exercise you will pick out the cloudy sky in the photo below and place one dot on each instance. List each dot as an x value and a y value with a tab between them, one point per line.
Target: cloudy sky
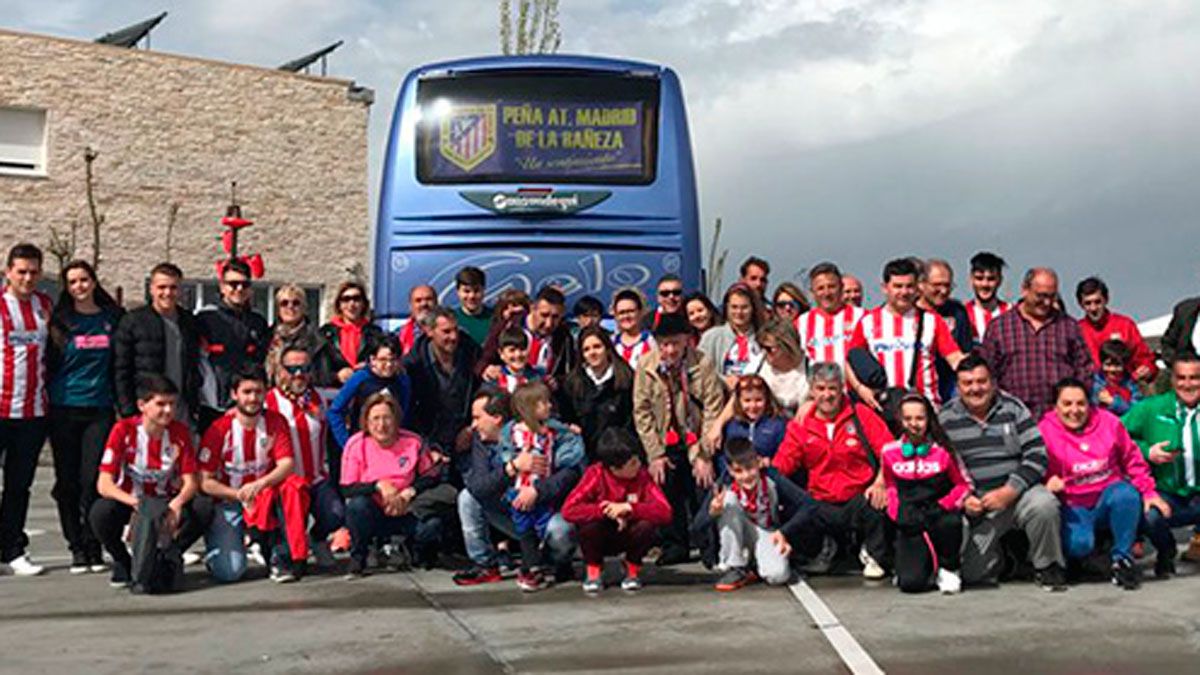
1063	133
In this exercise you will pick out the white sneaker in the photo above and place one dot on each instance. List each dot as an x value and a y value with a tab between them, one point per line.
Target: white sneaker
948	582
21	567
255	555
871	569
192	558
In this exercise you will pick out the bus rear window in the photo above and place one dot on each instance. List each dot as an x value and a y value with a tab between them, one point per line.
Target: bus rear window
543	128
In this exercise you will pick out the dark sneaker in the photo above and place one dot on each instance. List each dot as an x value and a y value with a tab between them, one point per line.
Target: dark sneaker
357	569
1052	578
673	556
477	575
531	582
1126	574
120	575
79	563
1164	567
735	578
282	575
631	584
96	562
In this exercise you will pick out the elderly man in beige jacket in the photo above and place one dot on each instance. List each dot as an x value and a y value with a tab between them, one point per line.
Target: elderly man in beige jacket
677	398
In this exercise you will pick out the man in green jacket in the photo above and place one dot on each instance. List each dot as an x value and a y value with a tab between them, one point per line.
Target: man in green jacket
1167	429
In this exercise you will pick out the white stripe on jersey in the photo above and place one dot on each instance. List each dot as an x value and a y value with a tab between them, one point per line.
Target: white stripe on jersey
825	337
24	325
245	464
634	352
981	317
308	434
892	339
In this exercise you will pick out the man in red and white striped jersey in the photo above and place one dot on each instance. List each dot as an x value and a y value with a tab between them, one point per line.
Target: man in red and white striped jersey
24	323
299	403
826	329
987	273
246	467
889	333
148	458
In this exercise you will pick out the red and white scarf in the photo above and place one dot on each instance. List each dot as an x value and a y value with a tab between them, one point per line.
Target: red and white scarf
756	502
539	444
632	353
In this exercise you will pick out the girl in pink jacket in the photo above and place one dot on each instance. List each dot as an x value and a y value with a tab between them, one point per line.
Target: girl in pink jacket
926	487
1099	474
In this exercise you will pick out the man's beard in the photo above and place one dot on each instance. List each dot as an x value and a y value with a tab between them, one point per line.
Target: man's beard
294	387
249	411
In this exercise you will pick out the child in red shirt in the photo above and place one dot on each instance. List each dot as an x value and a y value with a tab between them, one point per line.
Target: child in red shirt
616	508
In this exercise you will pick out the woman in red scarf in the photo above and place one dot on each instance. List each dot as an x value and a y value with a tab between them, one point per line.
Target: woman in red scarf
350	331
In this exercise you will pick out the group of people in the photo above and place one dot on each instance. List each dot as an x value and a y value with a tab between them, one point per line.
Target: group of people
934	442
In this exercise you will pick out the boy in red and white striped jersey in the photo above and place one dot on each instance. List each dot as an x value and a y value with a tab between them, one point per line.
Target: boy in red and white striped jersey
515	369
889	333
149	468
987	273
826	329
24	321
299	403
246	467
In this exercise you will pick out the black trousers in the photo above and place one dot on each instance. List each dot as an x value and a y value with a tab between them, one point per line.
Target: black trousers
855	516
923	548
109	518
77	437
20	444
684	498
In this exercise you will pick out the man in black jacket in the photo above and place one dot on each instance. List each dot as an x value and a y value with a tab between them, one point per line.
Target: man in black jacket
1182	336
440	367
481	506
232	336
162	339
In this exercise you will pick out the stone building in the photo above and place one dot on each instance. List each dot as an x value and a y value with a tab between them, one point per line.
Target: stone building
170	133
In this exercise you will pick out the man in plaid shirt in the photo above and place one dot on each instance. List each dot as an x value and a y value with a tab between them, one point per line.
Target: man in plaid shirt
1035	345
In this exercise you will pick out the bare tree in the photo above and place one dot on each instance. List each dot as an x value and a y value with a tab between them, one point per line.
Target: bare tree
716	263
89	157
63	243
172	216
535	31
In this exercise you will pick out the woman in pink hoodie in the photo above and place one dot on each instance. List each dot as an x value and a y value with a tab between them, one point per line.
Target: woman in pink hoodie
1099	474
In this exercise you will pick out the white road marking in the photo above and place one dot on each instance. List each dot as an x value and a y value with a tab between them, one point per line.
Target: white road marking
853	655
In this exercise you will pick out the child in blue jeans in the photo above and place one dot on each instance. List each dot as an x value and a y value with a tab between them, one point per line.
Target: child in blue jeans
533	430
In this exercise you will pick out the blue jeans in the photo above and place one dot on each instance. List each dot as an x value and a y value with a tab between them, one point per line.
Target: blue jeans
477	521
367	522
225	542
1184	511
1118	511
327	509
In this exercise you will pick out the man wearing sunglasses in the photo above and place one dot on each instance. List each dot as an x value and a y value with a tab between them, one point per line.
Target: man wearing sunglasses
294	398
232	336
670	297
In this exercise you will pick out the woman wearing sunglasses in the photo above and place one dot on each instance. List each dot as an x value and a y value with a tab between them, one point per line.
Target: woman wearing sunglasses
350	330
789	302
293	327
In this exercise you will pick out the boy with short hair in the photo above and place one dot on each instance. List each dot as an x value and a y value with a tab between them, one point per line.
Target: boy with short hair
1113	387
514	361
246	467
588	311
617	508
148	469
756	515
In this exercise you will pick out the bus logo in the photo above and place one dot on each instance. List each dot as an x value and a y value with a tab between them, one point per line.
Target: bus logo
468	135
535	202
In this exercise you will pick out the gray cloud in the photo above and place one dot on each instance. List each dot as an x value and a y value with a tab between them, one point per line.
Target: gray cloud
1059	133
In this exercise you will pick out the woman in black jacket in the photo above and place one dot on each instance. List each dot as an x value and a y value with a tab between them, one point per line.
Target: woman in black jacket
598	392
350	332
79	366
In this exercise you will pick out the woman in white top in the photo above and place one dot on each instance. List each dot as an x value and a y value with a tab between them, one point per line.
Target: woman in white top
732	346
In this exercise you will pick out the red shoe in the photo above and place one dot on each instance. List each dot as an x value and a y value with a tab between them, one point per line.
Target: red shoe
340	541
477	575
1139	550
531	582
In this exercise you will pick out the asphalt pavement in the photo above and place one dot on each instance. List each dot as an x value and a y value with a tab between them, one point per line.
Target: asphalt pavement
419	622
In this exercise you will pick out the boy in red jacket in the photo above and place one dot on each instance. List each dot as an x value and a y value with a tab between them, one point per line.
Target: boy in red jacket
616	508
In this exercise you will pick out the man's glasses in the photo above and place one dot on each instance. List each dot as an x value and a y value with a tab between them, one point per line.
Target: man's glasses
290	304
350	298
298	370
671	292
238	284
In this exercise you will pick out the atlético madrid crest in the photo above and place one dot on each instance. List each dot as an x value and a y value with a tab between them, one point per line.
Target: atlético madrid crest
468	135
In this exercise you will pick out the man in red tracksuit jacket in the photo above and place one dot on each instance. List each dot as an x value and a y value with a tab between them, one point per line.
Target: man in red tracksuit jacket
837	445
1099	325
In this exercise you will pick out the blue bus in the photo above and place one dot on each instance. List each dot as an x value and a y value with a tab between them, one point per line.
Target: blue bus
564	170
